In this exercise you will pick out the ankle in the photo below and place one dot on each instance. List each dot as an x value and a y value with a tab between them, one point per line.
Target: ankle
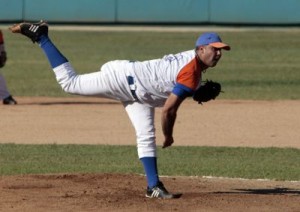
43	39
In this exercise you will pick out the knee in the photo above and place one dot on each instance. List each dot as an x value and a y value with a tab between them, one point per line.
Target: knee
68	85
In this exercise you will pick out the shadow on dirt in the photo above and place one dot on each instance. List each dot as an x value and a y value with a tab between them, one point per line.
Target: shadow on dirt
272	191
72	103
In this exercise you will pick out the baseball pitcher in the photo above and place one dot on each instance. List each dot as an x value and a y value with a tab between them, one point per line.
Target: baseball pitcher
141	86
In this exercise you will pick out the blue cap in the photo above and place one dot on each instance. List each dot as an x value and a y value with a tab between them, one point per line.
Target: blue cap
213	39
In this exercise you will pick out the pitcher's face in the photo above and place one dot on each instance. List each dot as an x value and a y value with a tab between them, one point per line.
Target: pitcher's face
209	55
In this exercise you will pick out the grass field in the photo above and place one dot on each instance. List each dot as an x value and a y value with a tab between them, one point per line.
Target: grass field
254	163
262	65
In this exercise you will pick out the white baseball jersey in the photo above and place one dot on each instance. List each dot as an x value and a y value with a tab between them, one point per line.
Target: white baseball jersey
154	79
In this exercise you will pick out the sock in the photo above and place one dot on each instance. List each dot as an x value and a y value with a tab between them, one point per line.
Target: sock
150	167
53	54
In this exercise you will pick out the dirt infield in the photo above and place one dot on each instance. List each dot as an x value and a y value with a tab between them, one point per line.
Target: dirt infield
101	121
115	192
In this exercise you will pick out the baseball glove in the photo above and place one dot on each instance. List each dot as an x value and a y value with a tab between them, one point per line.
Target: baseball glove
3	59
210	90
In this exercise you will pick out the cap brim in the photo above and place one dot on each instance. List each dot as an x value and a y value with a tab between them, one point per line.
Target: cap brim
220	45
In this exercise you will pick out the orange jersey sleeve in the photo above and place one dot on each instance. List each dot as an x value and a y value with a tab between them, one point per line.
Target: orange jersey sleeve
190	75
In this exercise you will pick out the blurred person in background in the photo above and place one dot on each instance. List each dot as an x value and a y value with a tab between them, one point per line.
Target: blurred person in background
5	96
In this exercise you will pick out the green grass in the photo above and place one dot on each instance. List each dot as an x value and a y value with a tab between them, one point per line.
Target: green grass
252	163
262	64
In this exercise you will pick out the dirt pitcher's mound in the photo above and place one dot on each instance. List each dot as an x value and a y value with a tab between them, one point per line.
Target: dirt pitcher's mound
120	192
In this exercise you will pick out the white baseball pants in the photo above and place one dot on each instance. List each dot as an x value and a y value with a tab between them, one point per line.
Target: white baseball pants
113	84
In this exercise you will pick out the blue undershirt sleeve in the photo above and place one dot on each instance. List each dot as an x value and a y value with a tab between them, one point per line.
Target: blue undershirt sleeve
182	91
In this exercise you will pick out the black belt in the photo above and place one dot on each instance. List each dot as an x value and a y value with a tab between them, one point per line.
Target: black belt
132	86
